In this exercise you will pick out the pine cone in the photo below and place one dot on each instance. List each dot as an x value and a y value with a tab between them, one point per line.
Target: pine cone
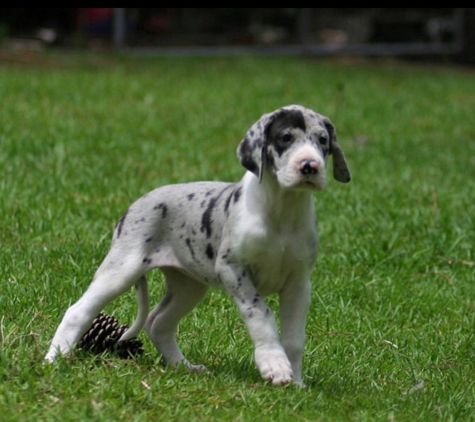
104	335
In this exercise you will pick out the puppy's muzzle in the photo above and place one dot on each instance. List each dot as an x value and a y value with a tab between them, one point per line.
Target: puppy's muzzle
308	167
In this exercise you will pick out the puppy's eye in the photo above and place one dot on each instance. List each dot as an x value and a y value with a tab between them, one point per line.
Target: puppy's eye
287	138
323	140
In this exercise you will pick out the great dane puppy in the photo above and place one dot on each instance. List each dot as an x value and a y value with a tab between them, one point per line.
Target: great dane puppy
251	238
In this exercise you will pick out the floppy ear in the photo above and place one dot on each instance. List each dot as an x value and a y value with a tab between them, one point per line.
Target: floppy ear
251	150
341	172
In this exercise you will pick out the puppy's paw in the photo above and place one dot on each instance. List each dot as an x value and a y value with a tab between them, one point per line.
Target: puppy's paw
299	383
50	357
188	366
274	365
196	368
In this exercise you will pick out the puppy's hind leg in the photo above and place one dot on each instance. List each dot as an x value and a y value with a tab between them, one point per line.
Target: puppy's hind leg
182	296
110	281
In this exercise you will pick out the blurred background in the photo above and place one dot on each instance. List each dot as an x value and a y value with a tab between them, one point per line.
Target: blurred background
416	32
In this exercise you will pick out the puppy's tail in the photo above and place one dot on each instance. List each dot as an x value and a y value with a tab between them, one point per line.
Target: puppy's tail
144	307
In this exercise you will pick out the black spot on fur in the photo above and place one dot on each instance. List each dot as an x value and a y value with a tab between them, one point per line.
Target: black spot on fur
162	207
270	159
148	240
245	155
209	251
121	223
228	200
331	133
237	194
188	243
279	127
146	260
190	196
206	218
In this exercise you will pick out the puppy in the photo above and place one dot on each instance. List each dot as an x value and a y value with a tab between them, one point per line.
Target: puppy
251	238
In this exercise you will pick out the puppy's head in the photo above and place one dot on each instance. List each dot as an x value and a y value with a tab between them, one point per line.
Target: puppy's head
293	144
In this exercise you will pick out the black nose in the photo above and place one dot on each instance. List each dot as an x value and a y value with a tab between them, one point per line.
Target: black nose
308	167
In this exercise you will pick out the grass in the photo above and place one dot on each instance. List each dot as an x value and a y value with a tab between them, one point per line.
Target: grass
391	328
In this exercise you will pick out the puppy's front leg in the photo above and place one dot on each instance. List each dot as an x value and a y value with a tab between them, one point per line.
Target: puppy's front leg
270	356
294	305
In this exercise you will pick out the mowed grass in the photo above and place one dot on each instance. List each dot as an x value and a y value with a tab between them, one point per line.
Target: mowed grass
391	327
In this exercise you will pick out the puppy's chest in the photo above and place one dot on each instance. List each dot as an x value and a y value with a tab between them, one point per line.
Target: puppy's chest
275	258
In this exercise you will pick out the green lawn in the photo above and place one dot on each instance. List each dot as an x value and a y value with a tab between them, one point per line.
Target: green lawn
391	328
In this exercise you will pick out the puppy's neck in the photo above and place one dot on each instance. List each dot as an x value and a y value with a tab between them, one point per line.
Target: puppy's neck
269	198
